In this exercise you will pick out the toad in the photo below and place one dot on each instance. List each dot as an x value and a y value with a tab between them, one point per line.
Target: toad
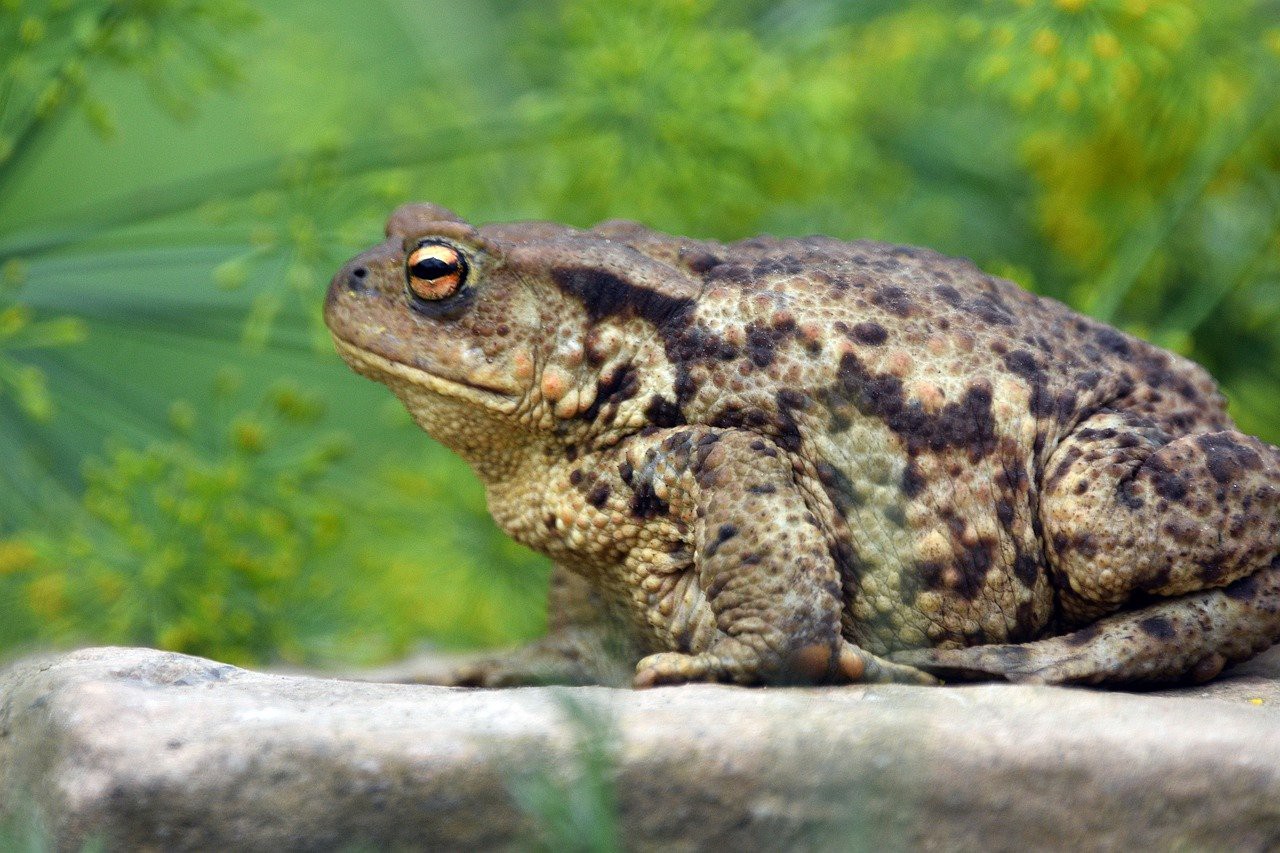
803	461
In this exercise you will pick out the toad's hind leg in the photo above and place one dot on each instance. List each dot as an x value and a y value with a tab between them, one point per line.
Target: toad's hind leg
1180	533
1188	638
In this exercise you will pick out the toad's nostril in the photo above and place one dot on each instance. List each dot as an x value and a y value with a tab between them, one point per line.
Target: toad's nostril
356	279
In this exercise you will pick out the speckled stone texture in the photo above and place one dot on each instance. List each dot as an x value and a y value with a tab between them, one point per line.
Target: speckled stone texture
152	750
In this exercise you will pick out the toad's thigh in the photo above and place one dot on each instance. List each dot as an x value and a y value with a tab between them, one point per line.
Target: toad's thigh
1129	509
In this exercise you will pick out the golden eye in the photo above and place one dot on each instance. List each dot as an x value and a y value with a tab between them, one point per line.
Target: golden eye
435	271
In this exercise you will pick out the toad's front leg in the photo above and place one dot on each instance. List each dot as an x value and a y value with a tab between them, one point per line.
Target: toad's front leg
761	600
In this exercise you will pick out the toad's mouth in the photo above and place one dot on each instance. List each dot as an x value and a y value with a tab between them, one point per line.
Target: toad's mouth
394	374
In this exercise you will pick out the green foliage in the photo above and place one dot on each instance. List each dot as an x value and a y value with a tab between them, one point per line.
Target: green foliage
20	331
1128	110
55	46
178	179
663	92
206	543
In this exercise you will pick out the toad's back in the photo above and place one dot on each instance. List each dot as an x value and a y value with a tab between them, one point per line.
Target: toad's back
927	397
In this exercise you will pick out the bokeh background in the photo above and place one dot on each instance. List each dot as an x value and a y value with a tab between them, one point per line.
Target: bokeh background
185	463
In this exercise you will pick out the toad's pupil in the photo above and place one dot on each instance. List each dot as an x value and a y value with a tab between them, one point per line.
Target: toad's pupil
433	268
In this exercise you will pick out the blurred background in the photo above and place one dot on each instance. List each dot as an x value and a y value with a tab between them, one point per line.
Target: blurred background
185	463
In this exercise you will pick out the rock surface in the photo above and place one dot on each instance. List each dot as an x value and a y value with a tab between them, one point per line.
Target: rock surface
146	749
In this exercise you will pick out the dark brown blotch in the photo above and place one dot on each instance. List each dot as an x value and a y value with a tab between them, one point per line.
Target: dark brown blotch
1023	363
1026	568
1112	341
966	423
699	261
1158	627
618	385
1169	485
1226	458
913	481
974	564
1026	624
987	310
893	299
1083	637
663	412
606	294
723	534
871	334
760	344
949	295
599	495
645	503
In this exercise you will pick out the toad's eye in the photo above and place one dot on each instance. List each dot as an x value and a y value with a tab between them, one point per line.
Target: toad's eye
435	271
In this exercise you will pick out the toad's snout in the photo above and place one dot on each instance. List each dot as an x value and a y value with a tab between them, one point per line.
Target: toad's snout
371	273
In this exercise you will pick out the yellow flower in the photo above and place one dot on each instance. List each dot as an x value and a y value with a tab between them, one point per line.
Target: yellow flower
182	416
16	556
249	436
47	596
996	66
1045	41
14	271
179	637
1071	5
110	586
13	320
1043	79
232	274
1079	70
1170	36
1224	94
1105	45
31	30
1272	40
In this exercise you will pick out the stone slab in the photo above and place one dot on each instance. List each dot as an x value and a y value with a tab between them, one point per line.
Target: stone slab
141	749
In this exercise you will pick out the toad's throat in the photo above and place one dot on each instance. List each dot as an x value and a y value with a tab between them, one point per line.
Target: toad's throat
393	373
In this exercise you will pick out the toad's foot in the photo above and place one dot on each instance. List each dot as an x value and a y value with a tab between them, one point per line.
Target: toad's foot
813	665
1189	638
